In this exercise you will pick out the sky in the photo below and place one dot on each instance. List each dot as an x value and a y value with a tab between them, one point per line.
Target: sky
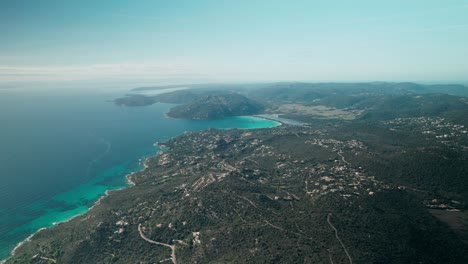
224	40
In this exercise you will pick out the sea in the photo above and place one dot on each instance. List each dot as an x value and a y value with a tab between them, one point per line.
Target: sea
60	150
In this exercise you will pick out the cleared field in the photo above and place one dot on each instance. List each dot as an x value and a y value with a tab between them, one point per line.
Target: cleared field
319	111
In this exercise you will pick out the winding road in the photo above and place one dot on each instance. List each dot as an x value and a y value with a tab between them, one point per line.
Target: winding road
172	247
342	158
337	237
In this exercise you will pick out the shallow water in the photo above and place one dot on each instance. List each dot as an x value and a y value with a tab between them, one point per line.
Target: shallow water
60	151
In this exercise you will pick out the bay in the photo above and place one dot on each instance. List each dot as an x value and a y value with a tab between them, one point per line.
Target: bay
61	150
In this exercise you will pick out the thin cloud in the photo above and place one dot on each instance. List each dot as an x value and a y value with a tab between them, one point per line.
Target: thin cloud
193	72
118	71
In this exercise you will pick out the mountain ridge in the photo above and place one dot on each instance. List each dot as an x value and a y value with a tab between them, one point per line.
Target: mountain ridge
217	106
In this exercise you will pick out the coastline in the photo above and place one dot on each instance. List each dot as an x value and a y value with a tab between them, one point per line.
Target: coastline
128	177
269	119
130	183
26	240
279	122
282	121
107	192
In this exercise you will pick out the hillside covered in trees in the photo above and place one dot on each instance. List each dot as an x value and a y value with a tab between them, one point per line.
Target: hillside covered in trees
365	178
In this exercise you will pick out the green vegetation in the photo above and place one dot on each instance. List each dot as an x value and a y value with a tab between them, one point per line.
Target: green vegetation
333	190
216	106
267	194
189	95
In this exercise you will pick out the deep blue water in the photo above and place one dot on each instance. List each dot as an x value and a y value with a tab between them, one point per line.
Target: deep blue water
60	151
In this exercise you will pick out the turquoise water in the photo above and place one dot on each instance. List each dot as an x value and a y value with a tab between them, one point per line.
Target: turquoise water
60	152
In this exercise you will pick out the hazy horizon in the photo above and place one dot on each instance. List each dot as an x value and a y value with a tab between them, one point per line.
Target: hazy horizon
153	42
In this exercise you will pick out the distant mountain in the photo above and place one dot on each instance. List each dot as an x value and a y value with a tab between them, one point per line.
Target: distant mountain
186	96
278	93
174	97
217	106
402	106
307	92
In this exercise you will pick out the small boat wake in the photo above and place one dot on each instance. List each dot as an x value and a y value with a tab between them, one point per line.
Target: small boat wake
99	156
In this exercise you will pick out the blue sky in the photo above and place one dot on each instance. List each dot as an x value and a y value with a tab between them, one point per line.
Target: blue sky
234	40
